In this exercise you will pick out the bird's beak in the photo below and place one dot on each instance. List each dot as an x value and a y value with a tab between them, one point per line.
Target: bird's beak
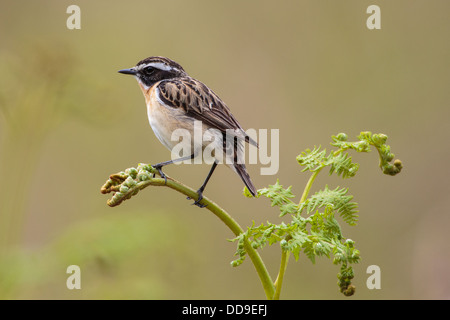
131	71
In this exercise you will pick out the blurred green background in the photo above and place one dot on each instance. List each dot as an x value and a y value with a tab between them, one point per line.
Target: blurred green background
308	68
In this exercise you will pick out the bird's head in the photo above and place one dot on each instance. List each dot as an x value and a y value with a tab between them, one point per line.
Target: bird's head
154	69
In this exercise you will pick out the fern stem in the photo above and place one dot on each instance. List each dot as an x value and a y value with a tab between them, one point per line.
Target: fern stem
285	254
309	185
279	282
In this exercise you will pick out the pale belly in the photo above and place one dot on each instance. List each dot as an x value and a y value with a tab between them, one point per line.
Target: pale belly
170	125
178	132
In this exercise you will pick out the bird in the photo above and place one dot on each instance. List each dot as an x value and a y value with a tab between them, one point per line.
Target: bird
176	100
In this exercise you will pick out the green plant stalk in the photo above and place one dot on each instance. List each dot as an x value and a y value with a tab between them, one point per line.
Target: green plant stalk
285	254
280	277
309	185
258	263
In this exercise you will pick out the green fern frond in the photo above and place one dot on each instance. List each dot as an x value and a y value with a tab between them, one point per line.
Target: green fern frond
343	166
336	199
312	160
340	141
280	197
297	240
240	250
331	225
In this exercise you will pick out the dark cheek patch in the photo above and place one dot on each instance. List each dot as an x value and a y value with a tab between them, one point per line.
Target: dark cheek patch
158	75
148	81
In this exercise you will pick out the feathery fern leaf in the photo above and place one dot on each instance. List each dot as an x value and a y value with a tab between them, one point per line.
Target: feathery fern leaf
335	199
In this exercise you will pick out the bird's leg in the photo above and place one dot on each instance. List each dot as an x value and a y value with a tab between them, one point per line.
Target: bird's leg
159	166
202	188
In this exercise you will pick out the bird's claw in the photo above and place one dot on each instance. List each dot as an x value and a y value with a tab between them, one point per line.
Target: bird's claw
197	202
161	173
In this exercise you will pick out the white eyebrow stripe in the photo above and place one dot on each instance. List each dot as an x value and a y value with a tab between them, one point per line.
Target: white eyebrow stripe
158	65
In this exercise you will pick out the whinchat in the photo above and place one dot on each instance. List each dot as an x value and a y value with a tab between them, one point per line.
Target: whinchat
175	100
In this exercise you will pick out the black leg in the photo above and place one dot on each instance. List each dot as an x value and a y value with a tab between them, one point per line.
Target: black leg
202	188
159	166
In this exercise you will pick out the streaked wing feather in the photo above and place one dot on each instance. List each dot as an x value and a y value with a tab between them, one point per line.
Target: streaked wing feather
201	103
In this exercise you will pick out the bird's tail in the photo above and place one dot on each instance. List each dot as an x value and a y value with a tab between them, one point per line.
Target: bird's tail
242	172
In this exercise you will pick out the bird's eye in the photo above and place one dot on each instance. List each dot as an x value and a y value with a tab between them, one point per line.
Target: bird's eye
149	70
